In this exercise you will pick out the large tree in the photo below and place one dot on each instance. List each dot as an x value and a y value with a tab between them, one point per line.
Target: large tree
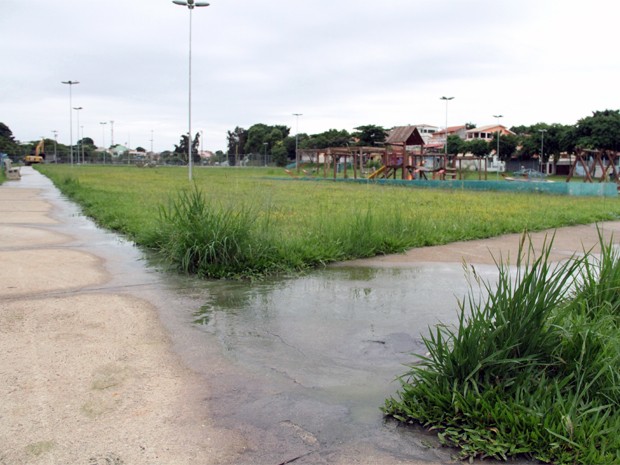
370	135
476	147
599	131
550	139
507	145
455	145
331	138
260	134
236	142
8	144
182	149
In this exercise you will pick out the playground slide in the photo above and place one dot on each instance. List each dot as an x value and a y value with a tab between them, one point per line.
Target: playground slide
374	174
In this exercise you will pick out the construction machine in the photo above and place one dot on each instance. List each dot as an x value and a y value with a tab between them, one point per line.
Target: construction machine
38	156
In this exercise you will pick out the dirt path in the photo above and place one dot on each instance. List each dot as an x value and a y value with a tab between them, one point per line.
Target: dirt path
88	374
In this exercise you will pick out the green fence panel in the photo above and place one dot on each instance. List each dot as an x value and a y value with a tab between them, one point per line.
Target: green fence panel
603	189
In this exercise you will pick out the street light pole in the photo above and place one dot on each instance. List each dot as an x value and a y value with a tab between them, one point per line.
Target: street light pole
542	147
190	4
71	84
497	117
55	145
447	99
78	129
297	115
82	144
103	123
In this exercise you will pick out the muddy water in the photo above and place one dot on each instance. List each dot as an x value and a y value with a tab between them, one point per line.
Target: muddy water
300	366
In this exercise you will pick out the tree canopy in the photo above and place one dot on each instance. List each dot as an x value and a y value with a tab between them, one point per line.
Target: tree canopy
599	131
181	149
370	135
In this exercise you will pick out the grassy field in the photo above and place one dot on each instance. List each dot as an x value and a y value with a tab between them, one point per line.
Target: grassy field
267	225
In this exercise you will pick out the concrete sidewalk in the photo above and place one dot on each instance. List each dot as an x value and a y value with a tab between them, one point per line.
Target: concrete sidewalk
87	375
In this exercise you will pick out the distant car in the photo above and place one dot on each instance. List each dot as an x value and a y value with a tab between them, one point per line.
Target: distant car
529	174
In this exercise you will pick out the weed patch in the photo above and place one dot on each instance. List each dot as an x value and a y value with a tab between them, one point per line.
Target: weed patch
532	367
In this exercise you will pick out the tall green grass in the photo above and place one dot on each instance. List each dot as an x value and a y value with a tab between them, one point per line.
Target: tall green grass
209	240
533	367
212	240
304	224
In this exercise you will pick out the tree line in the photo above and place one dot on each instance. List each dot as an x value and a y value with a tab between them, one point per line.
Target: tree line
601	130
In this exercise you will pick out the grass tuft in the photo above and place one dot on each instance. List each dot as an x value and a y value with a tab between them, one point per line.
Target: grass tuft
532	367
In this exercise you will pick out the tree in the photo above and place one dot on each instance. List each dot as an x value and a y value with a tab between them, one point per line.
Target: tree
455	145
280	154
553	139
476	147
8	144
331	138
599	131
181	149
507	145
260	134
370	135
236	142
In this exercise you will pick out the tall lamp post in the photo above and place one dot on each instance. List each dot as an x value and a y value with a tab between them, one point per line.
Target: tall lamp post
77	109
190	4
297	115
497	117
71	84
55	145
103	123
542	146
447	99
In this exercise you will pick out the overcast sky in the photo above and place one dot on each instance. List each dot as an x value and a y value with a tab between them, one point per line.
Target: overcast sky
340	63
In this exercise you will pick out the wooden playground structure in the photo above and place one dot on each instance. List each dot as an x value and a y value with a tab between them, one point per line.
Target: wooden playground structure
605	161
394	161
403	156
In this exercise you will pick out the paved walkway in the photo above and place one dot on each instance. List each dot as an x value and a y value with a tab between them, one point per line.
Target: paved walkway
87	375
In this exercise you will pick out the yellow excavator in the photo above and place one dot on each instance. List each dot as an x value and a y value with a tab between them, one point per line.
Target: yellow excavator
38	156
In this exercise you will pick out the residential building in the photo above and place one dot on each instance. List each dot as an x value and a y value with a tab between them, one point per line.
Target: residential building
487	132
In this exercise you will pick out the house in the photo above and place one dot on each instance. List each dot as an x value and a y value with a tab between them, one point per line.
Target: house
487	132
438	141
426	131
440	136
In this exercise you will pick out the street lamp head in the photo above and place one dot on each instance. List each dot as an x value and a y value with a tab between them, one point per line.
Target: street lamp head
70	82
446	98
498	116
189	3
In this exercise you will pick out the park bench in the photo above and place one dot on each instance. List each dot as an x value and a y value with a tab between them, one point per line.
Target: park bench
12	173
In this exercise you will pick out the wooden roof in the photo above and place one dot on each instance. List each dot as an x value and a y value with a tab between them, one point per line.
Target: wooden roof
405	135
